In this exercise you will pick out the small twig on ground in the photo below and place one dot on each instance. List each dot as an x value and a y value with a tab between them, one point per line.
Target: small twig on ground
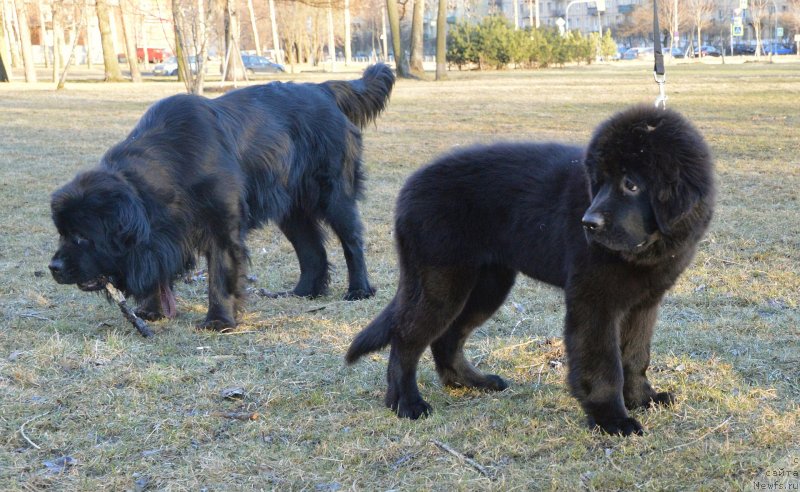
511	347
34	316
469	461
699	438
22	429
136	321
237	415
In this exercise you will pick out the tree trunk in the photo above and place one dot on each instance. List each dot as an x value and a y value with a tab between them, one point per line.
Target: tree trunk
441	41
331	38
397	43
348	52
113	73
25	39
275	40
253	26
233	67
10	14
130	42
58	41
87	14
76	30
384	34
5	52
417	46
199	79
43	34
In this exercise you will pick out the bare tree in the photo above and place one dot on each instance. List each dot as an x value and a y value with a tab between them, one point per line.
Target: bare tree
441	38
42	33
110	62
57	14
254	27
759	10
190	21
25	41
5	52
700	10
331	37
348	55
417	46
75	34
275	38
9	14
234	70
640	22
397	41
130	42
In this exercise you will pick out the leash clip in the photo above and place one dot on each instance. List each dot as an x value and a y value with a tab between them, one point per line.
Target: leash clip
661	100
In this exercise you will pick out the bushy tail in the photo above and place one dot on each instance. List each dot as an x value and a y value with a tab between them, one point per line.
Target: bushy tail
375	336
362	100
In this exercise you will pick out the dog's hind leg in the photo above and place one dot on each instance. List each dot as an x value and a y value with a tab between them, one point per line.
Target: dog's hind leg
342	215
491	290
429	305
309	245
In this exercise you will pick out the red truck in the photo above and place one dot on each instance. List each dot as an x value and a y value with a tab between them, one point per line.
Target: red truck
154	55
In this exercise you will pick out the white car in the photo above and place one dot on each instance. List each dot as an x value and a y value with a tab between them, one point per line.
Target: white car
170	66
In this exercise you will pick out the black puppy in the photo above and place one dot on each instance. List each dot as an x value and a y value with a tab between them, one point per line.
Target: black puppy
613	225
196	174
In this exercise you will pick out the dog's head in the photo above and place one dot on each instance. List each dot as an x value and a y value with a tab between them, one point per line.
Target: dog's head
650	177
100	219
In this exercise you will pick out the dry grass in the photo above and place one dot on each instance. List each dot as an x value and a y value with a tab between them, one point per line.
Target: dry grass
77	381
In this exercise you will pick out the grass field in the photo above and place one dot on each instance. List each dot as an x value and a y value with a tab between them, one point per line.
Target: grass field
87	404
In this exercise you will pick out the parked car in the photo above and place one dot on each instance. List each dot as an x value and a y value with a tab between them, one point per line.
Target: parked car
707	50
260	64
678	52
778	49
742	49
170	66
637	53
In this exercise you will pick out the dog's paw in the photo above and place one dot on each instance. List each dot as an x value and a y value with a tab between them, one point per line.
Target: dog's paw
621	426
357	295
149	315
664	398
413	409
216	324
494	382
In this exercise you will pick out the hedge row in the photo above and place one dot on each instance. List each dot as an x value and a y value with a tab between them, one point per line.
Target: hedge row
495	44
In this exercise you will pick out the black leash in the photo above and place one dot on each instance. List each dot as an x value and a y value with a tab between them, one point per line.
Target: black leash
658	69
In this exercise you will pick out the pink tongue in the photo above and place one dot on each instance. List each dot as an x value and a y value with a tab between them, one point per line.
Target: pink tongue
167	300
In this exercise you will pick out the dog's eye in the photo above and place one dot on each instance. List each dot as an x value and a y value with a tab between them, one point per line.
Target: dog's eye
629	185
79	240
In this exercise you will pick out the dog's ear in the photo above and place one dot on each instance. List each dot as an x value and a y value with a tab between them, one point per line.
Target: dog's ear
673	201
127	224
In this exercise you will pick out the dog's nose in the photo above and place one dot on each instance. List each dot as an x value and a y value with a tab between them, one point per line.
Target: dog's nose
56	266
592	221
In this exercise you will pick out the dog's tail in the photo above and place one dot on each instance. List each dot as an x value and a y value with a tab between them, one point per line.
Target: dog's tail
375	336
362	100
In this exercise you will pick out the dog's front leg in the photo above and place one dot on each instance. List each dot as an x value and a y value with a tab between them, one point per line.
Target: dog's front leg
591	335
636	331
223	284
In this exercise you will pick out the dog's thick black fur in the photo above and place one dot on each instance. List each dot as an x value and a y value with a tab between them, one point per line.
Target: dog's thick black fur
196	174
614	225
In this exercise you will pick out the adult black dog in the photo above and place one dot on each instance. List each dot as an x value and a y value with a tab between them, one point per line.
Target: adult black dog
196	174
613	225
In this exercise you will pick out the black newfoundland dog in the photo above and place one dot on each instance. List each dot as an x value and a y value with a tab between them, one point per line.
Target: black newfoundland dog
196	174
613	224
